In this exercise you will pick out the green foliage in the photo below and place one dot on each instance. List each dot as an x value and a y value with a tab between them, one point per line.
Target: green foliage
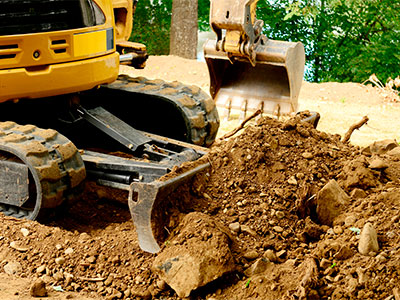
204	15
345	40
151	25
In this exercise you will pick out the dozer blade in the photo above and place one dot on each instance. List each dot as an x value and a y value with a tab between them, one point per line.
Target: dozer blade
272	85
148	212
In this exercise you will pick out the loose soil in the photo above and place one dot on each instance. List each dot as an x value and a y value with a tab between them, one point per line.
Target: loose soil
265	179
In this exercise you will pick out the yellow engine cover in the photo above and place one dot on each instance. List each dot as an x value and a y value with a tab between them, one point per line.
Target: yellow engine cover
49	63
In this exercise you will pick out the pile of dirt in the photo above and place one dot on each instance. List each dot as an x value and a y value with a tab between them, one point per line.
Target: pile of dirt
261	200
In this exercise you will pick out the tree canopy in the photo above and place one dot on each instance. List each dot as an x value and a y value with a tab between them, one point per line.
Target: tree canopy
345	40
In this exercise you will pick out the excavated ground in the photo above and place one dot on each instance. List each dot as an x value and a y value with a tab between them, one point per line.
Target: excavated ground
260	192
265	179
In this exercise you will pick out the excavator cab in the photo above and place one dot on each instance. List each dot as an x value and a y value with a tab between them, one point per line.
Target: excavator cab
247	70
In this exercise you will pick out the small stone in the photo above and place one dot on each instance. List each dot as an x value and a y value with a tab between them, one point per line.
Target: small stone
69	251
344	252
12	268
60	260
349	221
235	227
248	230
41	269
391	234
278	229
116	260
381	258
91	259
292	180
84	236
368	240
279	214
58	247
330	231
25	232
161	284
358	194
338	229
38	289
18	246
68	279
108	281
251	255
281	253
307	155
324	264
58	276
127	293
378	164
270	254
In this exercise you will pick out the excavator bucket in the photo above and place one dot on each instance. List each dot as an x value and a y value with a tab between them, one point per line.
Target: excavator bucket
247	70
272	85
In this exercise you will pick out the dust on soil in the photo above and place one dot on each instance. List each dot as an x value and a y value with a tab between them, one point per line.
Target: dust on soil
265	179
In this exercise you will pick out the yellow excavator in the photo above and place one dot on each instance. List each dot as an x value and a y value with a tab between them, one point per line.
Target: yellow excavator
59	64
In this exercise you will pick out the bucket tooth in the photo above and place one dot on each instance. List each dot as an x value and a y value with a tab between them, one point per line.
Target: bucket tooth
243	110
227	107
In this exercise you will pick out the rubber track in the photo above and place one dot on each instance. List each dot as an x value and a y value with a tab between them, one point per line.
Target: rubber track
53	160
197	108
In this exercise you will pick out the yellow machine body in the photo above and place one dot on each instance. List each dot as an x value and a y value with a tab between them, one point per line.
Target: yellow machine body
42	64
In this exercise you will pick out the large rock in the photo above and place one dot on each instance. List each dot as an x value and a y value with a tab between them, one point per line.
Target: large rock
357	174
331	202
395	152
197	255
13	267
38	289
368	240
380	147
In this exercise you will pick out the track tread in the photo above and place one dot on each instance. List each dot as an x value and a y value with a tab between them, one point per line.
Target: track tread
60	172
197	107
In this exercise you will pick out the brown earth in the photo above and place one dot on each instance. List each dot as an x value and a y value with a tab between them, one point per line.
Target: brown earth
261	201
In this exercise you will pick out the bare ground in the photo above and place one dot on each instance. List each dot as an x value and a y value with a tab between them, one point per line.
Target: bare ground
262	179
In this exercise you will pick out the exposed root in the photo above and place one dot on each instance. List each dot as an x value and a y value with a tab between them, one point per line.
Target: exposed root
353	127
241	126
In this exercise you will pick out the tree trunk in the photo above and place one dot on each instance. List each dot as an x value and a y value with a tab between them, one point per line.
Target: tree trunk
183	34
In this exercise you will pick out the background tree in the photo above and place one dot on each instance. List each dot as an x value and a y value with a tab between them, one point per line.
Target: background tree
183	36
151	25
345	40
